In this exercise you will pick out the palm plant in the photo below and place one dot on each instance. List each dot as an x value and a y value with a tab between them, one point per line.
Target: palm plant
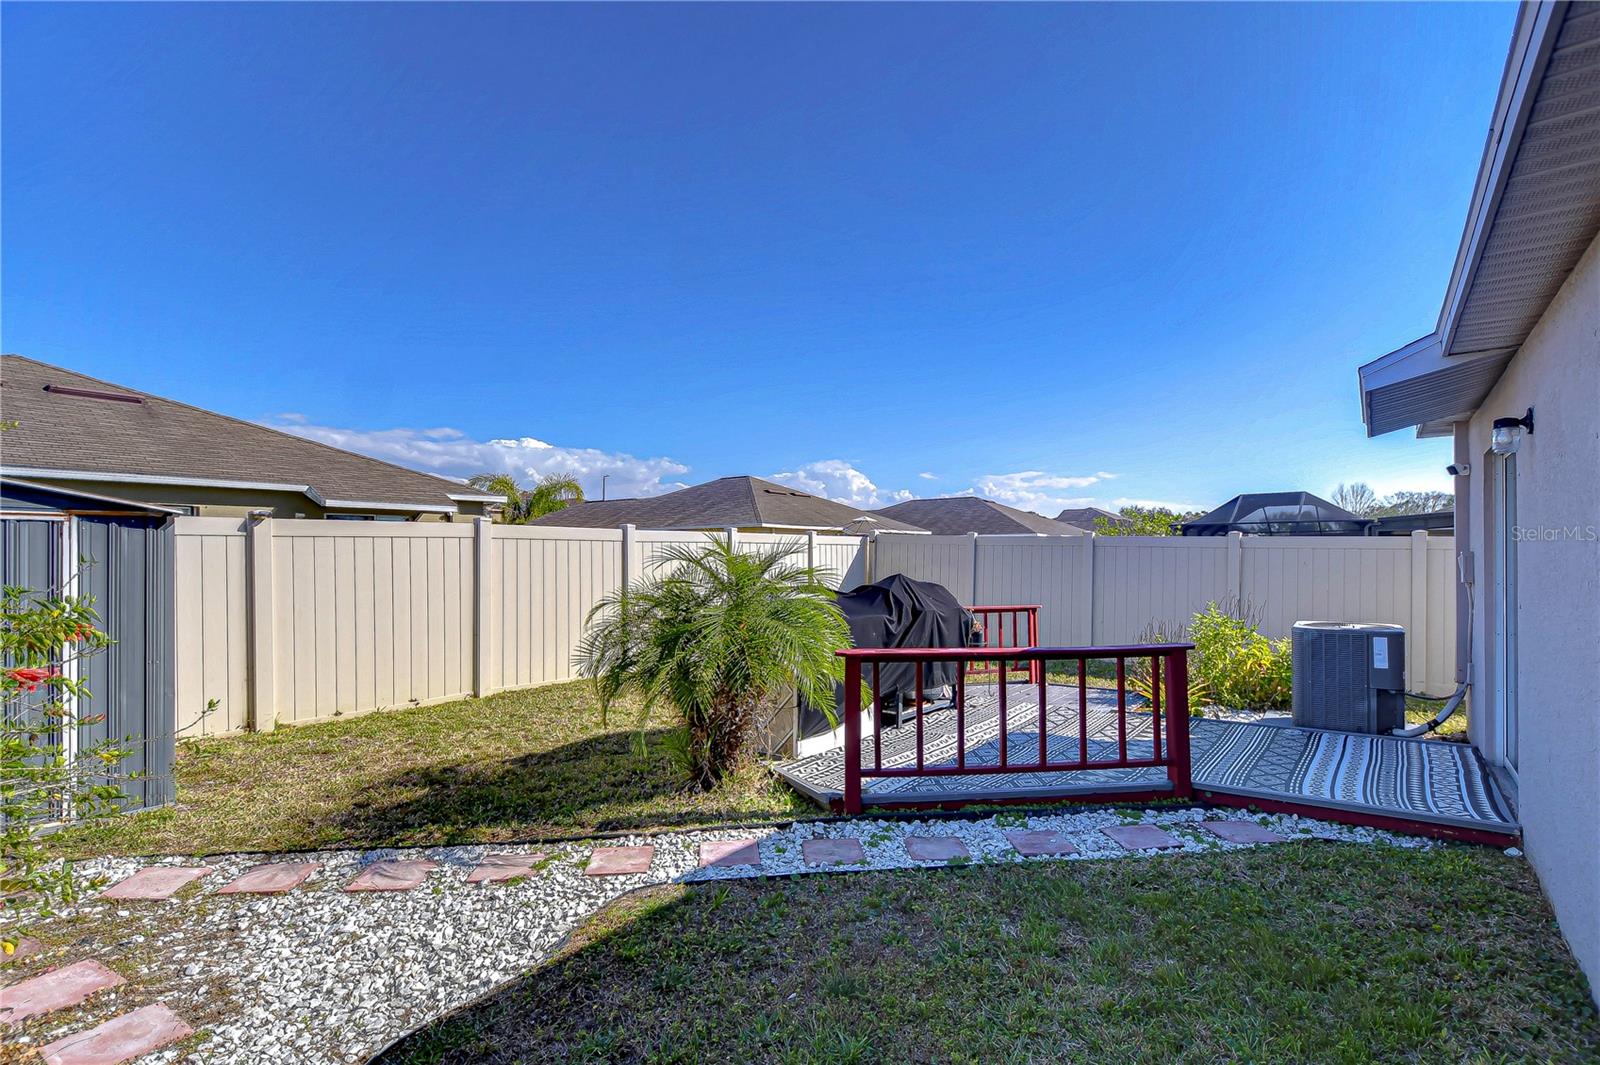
553	492
719	635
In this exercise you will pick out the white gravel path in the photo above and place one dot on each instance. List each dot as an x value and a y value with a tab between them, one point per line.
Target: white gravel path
319	975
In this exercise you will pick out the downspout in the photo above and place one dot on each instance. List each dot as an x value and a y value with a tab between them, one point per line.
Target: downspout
1464	576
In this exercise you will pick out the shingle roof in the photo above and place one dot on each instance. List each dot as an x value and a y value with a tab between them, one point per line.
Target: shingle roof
161	440
740	502
1085	518
956	515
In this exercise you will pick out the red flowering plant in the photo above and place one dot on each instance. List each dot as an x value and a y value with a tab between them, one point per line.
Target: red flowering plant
45	777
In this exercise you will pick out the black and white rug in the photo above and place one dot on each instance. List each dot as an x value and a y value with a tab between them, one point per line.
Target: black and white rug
1424	780
821	776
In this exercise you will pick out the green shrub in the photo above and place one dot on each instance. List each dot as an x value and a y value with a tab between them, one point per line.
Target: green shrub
1239	667
1139	670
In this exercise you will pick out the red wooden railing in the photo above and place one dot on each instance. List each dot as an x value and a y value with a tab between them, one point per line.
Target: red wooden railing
992	620
1169	671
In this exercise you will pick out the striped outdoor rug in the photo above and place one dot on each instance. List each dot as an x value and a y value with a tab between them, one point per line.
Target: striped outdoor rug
1428	780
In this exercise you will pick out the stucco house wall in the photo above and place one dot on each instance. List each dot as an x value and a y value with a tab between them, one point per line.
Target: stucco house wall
237	502
1556	372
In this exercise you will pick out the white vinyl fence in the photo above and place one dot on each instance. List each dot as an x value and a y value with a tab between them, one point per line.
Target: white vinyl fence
290	621
1100	590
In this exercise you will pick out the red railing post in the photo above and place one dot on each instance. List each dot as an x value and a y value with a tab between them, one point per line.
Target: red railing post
1169	696
852	735
1178	725
1036	670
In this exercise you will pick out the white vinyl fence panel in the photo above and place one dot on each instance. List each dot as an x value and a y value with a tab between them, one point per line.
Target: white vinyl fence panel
349	617
212	641
946	560
545	581
370	615
1112	589
306	620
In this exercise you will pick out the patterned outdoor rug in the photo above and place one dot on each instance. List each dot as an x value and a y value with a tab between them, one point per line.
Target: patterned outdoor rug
821	776
1425	780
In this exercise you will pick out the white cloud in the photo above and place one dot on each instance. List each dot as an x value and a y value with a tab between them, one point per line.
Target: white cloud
1119	503
450	453
1038	491
928	476
841	482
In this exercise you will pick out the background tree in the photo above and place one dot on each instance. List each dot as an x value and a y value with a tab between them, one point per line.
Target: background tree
552	492
1357	498
1146	521
718	635
1424	502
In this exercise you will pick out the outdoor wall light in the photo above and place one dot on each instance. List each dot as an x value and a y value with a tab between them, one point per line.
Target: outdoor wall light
1507	434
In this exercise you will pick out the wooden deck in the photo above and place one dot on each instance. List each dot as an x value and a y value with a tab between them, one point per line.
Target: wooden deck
1412	785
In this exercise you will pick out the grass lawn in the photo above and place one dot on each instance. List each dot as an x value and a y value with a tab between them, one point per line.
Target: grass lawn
1295	953
517	765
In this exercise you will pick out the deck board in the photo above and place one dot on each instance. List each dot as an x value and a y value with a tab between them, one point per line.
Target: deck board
1424	781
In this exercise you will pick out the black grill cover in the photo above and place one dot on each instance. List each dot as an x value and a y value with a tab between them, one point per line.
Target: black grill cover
899	612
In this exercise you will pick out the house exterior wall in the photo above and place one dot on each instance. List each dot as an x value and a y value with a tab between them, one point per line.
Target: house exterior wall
1556	372
237	502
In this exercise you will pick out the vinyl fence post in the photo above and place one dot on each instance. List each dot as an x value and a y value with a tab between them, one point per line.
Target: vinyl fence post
1236	566
973	598
630	557
1418	671
482	587
811	550
259	622
1086	590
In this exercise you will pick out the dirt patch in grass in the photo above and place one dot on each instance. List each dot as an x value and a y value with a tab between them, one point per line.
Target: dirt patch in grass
1310	952
514	766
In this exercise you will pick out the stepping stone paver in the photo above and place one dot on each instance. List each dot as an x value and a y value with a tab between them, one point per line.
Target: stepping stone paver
274	878
54	990
25	948
936	848
1241	832
1142	837
120	1039
845	851
156	882
727	853
498	868
619	861
393	875
1040	842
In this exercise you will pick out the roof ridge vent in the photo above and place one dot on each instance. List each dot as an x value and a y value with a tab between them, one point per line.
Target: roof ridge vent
91	393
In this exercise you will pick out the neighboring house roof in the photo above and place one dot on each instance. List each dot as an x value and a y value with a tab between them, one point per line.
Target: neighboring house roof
1087	518
75	427
736	502
1277	513
957	515
1405	524
1535	210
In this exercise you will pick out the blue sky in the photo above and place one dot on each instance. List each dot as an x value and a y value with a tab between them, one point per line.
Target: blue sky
1047	253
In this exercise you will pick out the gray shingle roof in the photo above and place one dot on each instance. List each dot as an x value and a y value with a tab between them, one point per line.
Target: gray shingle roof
740	502
1084	518
956	515
161	439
